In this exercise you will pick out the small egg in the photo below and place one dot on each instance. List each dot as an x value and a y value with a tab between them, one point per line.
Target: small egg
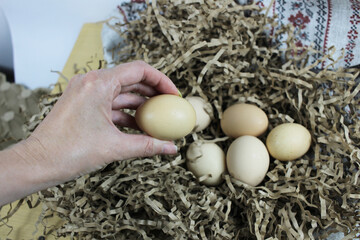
248	160
288	141
166	117
202	110
206	159
244	119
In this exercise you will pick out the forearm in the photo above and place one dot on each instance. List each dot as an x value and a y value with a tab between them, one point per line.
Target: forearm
22	171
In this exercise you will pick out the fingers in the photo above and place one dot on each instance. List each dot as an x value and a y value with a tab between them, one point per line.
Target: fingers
135	72
127	101
158	80
122	119
145	146
140	88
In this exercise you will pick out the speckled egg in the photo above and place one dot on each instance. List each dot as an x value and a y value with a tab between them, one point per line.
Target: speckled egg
288	141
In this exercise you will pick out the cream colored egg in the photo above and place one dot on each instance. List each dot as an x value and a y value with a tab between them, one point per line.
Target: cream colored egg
244	119
288	141
248	160
166	117
203	111
206	159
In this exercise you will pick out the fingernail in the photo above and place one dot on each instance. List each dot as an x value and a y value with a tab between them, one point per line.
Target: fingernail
180	95
169	148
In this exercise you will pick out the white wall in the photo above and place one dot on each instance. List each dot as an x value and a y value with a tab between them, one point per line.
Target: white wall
44	32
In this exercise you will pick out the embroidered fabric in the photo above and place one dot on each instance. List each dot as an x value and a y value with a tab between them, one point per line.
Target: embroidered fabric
320	24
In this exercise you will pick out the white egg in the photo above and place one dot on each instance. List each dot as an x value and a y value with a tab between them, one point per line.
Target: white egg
248	160
203	111
206	159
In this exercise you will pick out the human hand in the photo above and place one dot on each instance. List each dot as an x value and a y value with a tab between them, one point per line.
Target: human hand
80	135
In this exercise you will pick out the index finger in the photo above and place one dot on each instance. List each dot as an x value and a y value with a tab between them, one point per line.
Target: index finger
135	72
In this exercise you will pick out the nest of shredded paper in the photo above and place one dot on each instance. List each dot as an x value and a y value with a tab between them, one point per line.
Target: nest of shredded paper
219	50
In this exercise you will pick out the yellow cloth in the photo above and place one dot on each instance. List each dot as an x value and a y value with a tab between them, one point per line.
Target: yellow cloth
86	54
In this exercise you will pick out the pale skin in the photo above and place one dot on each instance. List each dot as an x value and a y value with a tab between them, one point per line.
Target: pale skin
80	134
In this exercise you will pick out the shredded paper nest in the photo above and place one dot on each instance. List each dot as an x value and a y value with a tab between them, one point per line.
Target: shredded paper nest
225	53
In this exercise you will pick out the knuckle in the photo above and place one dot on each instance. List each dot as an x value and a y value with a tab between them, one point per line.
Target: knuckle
75	79
84	81
149	148
90	77
92	81
140	63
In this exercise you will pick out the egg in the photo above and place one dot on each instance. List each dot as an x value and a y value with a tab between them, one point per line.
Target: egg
244	119
248	160
206	159
166	117
288	141
202	110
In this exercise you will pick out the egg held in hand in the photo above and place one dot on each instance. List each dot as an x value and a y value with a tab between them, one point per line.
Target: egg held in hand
244	119
288	141
166	117
206	159
248	160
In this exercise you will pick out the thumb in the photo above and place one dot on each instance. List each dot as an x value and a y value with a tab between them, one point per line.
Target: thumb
145	146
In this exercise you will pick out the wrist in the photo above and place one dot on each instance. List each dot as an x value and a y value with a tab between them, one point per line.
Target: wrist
30	166
34	156
21	173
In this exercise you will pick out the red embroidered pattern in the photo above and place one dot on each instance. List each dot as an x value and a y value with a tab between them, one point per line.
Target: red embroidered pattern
327	28
315	22
123	13
260	4
299	20
352	33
